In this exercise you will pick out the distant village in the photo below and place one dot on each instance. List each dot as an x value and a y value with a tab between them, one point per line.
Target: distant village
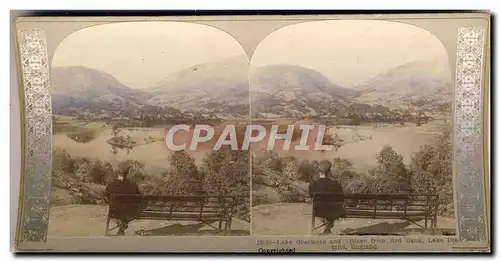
323	112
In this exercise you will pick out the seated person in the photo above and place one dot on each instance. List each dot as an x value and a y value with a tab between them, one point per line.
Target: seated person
328	207
125	212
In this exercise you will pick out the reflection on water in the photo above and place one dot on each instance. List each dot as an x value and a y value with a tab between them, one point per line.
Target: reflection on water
82	137
153	155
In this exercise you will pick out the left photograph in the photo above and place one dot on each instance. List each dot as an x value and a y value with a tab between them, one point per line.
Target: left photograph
118	90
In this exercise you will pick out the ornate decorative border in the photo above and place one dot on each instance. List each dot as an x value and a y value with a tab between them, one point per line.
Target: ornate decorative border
37	137
469	183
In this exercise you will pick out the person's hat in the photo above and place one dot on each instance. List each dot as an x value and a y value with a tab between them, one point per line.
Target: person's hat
325	166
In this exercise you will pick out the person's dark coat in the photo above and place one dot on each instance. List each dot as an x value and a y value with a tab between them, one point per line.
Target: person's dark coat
123	207
124	186
329	199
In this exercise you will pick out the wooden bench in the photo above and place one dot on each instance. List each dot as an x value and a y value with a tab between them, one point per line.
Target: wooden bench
205	209
412	208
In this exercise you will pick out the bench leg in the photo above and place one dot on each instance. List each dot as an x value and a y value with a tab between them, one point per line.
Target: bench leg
229	226
434	224
107	226
313	223
225	227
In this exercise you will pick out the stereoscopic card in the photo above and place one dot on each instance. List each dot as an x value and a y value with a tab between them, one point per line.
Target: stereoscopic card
253	133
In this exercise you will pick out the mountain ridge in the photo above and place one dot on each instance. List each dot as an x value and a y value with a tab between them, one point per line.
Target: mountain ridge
228	85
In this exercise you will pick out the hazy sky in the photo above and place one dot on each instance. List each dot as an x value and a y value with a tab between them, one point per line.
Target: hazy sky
141	54
348	52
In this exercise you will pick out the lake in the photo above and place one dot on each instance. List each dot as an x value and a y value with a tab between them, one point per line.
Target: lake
153	155
361	144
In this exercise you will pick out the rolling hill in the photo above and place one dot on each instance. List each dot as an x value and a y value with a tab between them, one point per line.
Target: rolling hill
80	87
276	79
421	80
295	90
212	86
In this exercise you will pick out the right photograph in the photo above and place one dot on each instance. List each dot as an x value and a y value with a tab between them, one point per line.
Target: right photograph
382	164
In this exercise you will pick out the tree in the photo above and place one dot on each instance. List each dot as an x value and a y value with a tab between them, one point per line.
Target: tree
230	175
62	161
182	178
93	171
391	175
83	170
356	183
109	173
96	173
431	170
340	168
231	172
156	185
183	174
291	168
307	171
420	170
351	181
214	161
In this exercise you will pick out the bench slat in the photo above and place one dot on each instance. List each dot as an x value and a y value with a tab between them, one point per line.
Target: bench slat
185	211
373	206
176	215
182	208
205	218
185	205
